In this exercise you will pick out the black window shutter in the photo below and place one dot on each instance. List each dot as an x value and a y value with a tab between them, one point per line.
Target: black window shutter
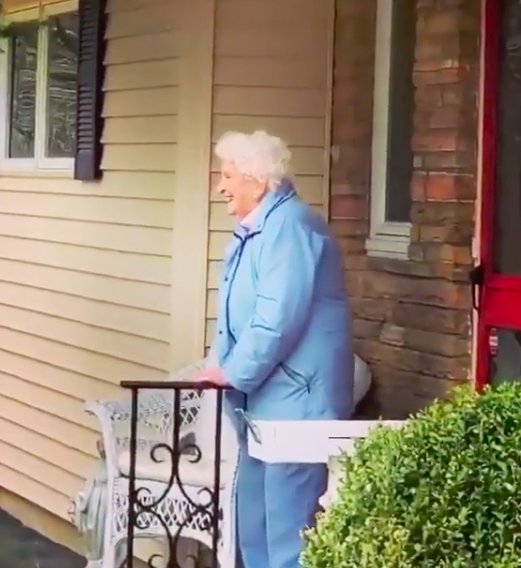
89	121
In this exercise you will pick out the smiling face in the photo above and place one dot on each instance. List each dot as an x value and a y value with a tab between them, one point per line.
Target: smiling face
242	193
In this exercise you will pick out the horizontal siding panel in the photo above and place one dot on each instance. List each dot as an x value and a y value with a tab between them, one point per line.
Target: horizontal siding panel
304	161
103	315
22	364
211	304
95	261
151	185
50	426
270	72
294	131
151	47
64	482
220	220
215	268
144	102
269	102
141	130
311	188
272	14
35	492
144	213
148	241
210	332
248	42
143	75
95	340
146	20
217	245
154	298
49	401
134	185
140	157
74	359
69	459
127	5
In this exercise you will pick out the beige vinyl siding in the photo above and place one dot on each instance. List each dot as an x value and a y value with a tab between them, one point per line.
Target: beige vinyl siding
85	269
272	71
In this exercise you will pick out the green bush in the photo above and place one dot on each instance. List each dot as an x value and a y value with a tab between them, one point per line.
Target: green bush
445	491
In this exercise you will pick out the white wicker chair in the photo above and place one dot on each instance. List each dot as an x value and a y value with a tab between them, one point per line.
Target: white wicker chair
155	426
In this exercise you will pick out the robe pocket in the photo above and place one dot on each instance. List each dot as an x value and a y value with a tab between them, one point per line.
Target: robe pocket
301	379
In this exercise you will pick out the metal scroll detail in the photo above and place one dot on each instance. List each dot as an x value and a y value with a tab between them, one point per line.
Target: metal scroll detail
176	507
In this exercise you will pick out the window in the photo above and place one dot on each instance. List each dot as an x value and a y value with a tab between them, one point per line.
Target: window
392	158
42	70
51	79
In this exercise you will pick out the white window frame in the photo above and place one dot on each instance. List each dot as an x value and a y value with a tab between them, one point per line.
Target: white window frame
386	239
40	162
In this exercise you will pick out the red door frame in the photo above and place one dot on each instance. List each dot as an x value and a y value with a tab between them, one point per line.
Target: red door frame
500	295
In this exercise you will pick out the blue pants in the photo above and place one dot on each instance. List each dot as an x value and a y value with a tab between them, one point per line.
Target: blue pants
274	503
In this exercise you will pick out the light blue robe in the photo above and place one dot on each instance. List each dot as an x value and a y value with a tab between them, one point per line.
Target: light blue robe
283	341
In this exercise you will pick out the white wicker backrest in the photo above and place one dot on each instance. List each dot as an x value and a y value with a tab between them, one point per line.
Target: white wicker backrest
205	429
362	380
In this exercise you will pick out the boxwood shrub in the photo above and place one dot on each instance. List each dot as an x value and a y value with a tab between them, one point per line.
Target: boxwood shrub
445	491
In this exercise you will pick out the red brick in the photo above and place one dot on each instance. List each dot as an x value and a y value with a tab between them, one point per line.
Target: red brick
437	23
454	94
450	187
428	96
444	117
462	160
348	227
355	262
437	72
418	187
352	245
436	141
456	254
363	328
454	234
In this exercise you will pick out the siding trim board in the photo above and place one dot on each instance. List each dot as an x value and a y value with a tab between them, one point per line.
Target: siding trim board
191	210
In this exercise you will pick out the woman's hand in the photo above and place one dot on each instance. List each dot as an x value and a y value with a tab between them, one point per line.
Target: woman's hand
213	375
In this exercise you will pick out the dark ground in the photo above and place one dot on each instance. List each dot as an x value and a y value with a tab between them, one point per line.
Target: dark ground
21	547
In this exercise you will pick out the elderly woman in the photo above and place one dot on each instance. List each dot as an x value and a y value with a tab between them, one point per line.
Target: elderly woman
283	340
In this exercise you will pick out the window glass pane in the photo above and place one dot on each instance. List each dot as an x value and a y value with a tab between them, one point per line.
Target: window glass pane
62	71
22	104
507	227
401	108
506	355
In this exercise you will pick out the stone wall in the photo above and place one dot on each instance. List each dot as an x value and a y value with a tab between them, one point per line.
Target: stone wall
411	317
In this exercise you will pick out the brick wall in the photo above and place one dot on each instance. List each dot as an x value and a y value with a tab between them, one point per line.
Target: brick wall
411	317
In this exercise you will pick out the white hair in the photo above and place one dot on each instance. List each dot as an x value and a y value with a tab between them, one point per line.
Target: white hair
258	155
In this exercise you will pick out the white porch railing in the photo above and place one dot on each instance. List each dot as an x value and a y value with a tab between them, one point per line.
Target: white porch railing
313	441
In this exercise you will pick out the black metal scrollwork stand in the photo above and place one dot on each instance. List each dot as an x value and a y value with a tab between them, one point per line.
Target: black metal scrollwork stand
143	507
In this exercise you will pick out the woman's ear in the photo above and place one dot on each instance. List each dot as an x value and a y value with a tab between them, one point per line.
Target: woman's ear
263	187
260	192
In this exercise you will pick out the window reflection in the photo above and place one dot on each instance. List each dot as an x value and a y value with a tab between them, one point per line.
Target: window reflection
506	360
62	68
23	65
